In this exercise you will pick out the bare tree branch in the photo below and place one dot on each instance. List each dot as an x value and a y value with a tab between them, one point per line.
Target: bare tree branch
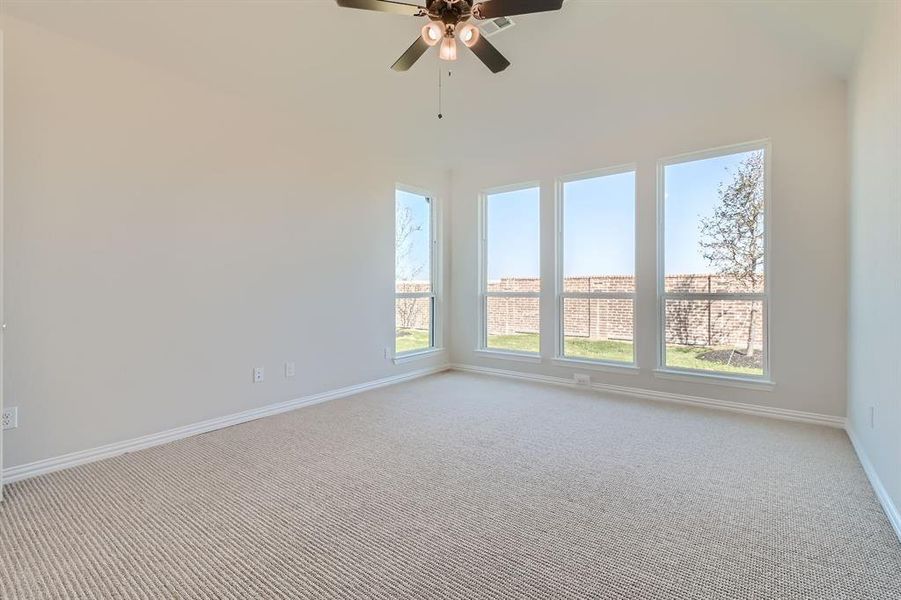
732	238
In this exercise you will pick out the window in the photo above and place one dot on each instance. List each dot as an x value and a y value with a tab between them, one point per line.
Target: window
596	275
414	272
713	291
511	271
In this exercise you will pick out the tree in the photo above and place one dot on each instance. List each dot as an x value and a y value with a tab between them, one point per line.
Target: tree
405	226
732	238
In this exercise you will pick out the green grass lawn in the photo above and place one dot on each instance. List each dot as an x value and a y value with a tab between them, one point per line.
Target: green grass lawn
681	357
688	357
408	340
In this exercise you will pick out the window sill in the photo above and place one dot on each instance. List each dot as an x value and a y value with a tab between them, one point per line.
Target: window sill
515	356
597	365
417	355
710	378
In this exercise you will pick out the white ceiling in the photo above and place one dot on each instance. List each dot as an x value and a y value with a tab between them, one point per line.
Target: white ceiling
590	60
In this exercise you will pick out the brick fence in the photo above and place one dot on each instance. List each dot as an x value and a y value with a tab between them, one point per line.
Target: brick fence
688	322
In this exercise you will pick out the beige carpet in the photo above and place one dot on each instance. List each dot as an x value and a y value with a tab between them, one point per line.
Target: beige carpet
462	486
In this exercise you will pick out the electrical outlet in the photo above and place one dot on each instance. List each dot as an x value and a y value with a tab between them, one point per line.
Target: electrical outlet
10	418
582	379
387	353
258	374
290	369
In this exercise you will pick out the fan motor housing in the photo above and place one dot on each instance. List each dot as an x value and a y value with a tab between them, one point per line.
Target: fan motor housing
450	13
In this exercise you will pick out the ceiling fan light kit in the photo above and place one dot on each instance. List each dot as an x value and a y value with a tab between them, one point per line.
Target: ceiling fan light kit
448	21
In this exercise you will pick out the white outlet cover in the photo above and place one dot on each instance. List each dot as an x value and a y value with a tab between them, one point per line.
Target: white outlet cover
258	374
10	418
582	379
290	369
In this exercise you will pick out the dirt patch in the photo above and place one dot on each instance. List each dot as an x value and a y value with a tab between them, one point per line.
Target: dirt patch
735	358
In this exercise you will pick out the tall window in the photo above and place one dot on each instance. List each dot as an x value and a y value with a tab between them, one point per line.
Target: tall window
414	272
511	271
713	287
596	239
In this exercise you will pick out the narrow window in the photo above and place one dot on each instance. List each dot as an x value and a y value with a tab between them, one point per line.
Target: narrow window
596	238
414	272
713	288
511	271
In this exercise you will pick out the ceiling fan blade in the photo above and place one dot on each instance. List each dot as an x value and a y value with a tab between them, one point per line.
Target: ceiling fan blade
489	55
412	54
491	9
388	6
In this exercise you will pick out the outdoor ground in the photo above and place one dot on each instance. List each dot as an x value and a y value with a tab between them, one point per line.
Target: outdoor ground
684	357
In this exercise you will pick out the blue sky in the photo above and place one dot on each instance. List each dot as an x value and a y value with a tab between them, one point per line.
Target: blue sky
598	222
599	226
513	234
417	261
691	190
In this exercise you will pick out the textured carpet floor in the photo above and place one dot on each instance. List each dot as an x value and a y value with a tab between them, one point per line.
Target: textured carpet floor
462	486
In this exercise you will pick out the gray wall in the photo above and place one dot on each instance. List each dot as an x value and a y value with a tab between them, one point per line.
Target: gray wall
163	238
874	340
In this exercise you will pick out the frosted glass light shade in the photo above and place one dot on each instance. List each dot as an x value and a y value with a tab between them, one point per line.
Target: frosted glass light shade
448	50
469	34
432	32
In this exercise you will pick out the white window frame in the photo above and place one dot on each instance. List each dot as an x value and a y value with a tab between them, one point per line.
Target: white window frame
435	329
559	355
484	294
764	381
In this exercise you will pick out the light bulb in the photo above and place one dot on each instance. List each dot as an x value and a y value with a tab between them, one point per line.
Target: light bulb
469	35
432	32
448	50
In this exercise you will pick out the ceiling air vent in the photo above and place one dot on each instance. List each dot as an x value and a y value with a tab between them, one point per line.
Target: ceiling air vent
490	27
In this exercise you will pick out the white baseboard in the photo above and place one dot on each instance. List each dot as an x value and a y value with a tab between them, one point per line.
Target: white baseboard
81	457
738	407
891	511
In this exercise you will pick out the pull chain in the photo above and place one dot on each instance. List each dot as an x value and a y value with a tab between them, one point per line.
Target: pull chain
440	113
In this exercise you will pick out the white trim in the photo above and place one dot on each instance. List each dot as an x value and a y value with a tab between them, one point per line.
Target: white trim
533	358
598	365
482	256
436	272
783	414
598	295
691	376
765	299
631	167
560	294
2	238
891	511
512	294
405	357
82	457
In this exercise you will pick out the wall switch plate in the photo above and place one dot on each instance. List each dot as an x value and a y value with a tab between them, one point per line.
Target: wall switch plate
290	369
258	374
10	418
582	379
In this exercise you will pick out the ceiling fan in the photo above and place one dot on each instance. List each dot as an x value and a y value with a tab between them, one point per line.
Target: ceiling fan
448	20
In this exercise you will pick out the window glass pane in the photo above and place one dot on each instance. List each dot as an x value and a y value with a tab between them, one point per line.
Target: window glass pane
412	247
713	230
513	324
413	324
724	336
513	240
598	329
599	234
